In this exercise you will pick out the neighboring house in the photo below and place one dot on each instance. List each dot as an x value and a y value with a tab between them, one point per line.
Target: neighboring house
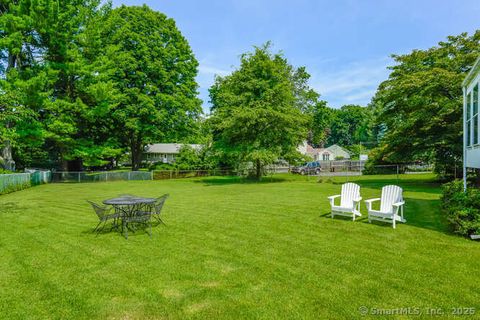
471	134
338	152
333	152
165	152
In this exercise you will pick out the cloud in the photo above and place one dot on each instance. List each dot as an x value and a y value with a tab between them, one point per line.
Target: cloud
353	83
338	84
210	70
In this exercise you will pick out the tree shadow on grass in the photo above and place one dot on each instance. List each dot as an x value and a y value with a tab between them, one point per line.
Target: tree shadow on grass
415	185
239	180
12	207
420	213
426	214
108	229
104	231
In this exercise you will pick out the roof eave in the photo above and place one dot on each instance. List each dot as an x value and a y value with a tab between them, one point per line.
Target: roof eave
471	75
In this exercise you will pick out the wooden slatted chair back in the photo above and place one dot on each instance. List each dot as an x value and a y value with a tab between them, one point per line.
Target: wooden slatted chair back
350	191
390	194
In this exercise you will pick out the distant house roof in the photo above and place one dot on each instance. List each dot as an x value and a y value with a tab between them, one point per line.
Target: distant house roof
337	147
169	148
311	151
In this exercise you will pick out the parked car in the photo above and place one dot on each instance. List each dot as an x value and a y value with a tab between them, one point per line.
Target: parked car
308	168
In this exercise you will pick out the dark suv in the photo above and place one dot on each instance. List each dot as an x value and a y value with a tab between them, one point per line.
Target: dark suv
307	168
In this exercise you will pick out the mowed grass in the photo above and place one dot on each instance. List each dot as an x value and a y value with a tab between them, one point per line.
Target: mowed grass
230	250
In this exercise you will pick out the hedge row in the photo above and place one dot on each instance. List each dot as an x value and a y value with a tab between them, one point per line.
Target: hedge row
462	208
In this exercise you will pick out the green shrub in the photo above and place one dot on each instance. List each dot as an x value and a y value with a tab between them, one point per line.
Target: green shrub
461	208
5	171
161	166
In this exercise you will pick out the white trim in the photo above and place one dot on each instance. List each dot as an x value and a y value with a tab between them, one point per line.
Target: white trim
475	68
471	143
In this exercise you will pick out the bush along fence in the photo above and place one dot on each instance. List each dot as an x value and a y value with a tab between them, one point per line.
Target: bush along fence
18	181
404	168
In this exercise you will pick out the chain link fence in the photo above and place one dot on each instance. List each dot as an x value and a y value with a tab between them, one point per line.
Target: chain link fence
178	174
357	168
18	181
100	176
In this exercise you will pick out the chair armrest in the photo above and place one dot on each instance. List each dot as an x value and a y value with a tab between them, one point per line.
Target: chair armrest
357	199
369	203
398	204
332	199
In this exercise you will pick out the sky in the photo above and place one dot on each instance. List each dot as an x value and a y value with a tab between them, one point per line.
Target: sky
345	45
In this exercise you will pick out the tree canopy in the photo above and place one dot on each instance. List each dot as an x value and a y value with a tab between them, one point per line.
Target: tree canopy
259	111
419	107
81	83
152	68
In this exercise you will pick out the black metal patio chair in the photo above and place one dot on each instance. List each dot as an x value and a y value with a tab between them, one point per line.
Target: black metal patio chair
140	217
104	215
157	207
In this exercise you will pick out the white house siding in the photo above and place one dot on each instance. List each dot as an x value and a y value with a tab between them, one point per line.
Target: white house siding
338	151
471	119
165	152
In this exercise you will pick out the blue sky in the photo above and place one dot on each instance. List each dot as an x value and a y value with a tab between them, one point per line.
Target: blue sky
345	45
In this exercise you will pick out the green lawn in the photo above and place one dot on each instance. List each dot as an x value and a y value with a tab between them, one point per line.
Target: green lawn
230	250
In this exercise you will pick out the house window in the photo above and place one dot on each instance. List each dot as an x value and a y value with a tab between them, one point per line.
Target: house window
326	157
475	114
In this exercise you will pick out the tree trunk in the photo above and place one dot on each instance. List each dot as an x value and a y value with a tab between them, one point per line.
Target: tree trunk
258	174
136	153
75	165
7	147
7	156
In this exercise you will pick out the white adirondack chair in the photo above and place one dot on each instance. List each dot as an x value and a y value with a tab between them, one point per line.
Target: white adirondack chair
349	201
391	204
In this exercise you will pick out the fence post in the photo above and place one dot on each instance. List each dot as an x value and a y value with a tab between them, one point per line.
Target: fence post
106	176
151	175
397	171
128	175
78	176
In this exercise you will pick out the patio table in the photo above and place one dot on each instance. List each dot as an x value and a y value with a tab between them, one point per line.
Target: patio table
128	206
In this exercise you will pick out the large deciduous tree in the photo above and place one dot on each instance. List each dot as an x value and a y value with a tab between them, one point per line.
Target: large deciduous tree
47	75
321	117
351	124
16	42
152	68
259	111
420	105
